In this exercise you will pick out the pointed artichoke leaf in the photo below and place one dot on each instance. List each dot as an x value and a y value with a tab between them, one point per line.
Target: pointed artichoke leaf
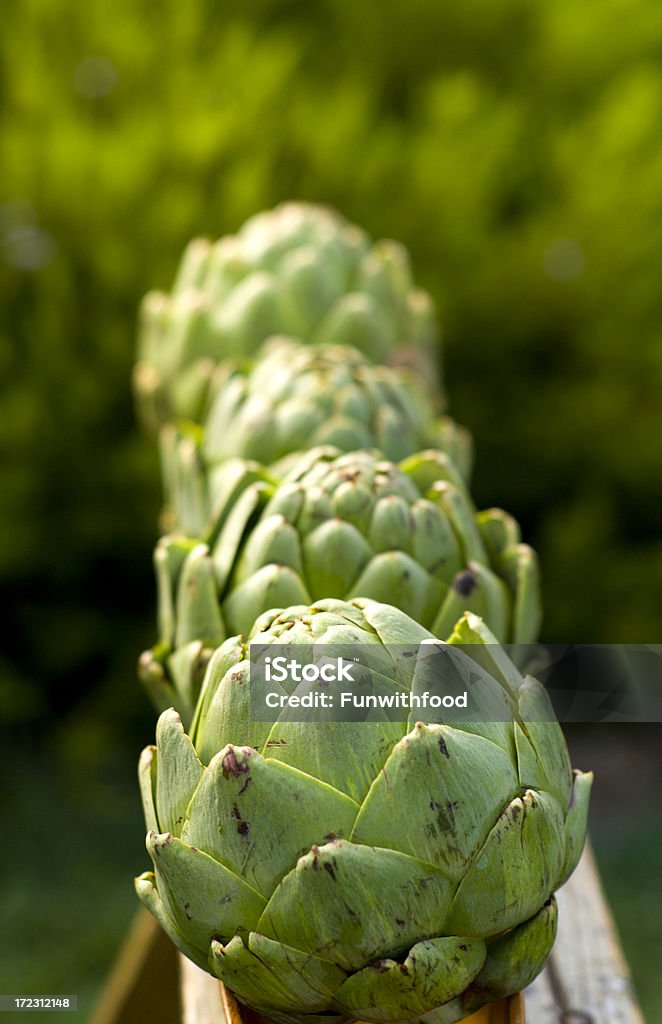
453	784
169	556
429	468
514	960
478	590
515	872
480	644
391	525
258	816
153	676
435	544
520	567
273	539
442	669
544	762
149	896
268	975
499	531
147	769
344	755
249	314
356	320
186	667
457	442
272	586
237	520
394	577
227	482
457	506
197	607
186	487
392	626
575	823
179	772
434	972
224	659
224	709
203	899
334	555
352	904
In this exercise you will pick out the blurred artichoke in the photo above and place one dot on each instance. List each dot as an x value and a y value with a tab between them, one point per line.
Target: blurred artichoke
336	526
300	270
364	870
293	397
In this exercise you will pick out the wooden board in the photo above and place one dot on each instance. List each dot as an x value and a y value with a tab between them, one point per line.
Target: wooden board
586	980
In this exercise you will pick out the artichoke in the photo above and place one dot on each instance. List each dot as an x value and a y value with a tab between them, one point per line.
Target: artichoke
300	270
336	526
367	870
293	397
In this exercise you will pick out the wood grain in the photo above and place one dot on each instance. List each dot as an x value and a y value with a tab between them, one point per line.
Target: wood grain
587	980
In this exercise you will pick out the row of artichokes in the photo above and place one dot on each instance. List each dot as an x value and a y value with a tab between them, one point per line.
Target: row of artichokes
316	492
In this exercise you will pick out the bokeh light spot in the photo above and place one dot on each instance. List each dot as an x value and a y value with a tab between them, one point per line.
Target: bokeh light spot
95	77
564	260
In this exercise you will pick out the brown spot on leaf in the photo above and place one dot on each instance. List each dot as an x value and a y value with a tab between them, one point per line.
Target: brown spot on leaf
231	766
242	826
464	582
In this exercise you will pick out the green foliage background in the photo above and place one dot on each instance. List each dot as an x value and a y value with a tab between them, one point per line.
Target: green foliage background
514	148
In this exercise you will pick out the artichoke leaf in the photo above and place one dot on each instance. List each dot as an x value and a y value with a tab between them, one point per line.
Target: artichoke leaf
178	773
203	899
352	904
272	586
259	816
145	886
575	823
197	609
541	735
434	972
147	768
515	960
439	774
268	975
345	755
516	870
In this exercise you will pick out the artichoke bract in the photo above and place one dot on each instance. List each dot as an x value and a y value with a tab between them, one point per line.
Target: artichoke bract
368	870
300	270
340	526
293	397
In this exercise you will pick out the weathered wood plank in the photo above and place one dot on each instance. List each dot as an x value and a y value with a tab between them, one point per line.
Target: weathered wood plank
587	980
200	995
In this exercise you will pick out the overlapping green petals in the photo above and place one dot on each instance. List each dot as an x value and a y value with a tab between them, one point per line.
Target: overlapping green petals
361	903
299	270
434	972
291	397
269	975
338	526
385	871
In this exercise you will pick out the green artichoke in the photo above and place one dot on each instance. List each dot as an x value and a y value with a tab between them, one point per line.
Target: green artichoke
365	870
340	526
293	397
300	270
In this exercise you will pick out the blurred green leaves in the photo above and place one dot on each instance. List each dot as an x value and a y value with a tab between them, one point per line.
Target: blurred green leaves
514	150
